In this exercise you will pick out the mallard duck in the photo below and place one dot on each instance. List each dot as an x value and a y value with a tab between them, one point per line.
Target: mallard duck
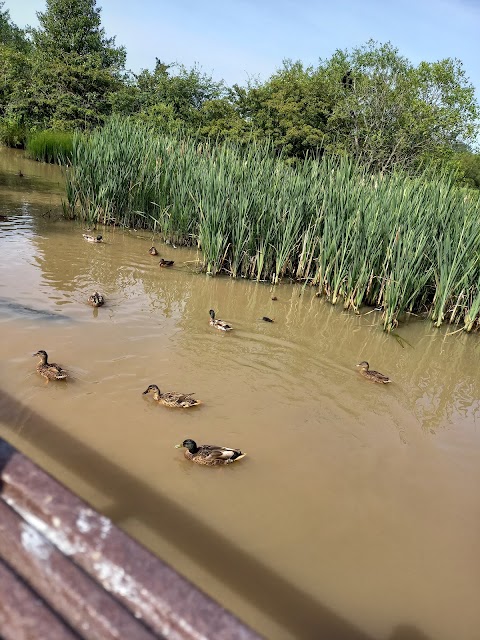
172	398
152	251
218	324
49	370
97	300
209	454
92	238
166	263
374	376
274	298
267	319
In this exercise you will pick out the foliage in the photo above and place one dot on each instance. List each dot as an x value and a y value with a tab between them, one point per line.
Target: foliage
172	96
469	167
359	238
389	113
50	146
72	69
10	35
369	102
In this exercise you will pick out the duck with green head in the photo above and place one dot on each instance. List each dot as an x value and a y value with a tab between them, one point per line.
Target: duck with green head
209	454
92	238
218	324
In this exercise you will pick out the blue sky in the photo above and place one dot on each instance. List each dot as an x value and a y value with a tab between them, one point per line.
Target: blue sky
249	38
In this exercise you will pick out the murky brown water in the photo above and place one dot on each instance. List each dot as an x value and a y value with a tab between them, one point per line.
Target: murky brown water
356	513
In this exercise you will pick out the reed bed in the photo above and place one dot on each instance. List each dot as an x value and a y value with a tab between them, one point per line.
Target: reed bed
50	146
402	244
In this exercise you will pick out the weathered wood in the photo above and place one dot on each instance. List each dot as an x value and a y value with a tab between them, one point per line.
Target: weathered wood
151	590
81	602
24	615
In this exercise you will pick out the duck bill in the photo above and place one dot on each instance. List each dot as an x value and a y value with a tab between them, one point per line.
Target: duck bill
146	391
178	446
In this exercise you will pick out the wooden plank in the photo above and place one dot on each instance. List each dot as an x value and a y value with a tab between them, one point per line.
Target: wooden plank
81	602
151	590
24	615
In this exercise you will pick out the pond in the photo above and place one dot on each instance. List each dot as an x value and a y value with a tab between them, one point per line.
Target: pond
355	513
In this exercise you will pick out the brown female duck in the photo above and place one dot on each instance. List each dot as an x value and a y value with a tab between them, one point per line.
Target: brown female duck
49	370
373	376
96	300
172	398
166	263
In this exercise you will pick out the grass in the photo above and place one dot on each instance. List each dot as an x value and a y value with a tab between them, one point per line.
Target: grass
395	242
50	146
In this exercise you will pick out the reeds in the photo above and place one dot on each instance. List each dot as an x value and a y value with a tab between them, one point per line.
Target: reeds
50	146
399	243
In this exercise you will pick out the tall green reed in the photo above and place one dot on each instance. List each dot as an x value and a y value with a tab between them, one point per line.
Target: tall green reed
399	243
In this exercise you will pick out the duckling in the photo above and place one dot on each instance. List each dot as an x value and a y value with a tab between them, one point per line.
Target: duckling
218	324
152	251
49	370
267	319
92	238
166	263
172	398
209	454
97	300
374	376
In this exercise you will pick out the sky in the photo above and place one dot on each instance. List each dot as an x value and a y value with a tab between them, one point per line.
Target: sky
235	41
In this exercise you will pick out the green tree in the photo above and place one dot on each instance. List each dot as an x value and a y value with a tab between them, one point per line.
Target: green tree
370	102
172	96
469	168
292	108
75	68
11	35
395	114
14	65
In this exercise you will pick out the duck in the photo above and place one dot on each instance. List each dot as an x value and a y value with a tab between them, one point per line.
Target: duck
267	319
92	238
49	370
373	376
96	300
152	251
209	454
274	298
166	263
172	398
218	324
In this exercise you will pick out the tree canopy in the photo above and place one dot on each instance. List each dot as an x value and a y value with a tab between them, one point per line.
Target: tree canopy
369	102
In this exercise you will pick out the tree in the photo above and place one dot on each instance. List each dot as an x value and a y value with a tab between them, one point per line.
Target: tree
469	167
75	67
172	96
10	35
292	108
395	114
371	103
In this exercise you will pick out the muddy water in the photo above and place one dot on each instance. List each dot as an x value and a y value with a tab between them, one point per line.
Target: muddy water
356	513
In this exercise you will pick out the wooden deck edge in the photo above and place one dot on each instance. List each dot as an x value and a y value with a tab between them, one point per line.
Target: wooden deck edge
151	591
